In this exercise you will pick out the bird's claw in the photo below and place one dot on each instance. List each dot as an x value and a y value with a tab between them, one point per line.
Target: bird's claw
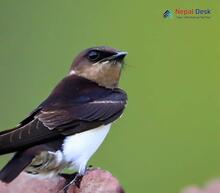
71	179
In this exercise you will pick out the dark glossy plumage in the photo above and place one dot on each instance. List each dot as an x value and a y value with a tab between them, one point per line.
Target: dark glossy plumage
75	105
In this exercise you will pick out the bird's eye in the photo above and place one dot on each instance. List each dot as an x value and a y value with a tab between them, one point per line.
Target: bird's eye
93	55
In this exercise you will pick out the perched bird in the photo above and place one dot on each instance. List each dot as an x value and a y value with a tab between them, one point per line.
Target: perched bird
66	129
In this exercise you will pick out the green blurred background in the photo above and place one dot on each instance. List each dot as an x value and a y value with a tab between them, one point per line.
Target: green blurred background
169	136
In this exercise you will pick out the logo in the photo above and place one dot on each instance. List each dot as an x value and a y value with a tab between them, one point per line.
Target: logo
167	14
189	13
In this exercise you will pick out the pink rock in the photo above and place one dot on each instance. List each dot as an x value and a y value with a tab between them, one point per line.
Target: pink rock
192	189
95	181
211	187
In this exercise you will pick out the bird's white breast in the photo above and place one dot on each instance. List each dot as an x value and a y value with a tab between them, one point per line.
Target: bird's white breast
78	149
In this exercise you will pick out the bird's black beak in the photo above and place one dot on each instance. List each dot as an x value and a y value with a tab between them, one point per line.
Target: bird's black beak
118	56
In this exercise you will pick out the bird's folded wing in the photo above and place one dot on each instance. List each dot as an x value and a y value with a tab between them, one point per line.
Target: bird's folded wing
54	121
101	110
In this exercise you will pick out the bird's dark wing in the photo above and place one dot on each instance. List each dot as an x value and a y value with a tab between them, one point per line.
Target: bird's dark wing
75	105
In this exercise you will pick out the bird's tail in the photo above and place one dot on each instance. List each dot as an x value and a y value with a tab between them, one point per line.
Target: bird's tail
20	161
15	166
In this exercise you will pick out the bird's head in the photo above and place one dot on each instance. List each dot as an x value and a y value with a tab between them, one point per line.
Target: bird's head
99	64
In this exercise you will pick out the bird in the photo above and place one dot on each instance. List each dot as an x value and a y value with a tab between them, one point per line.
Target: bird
68	127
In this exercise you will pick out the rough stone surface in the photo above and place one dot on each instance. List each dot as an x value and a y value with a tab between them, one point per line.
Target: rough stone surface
95	181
